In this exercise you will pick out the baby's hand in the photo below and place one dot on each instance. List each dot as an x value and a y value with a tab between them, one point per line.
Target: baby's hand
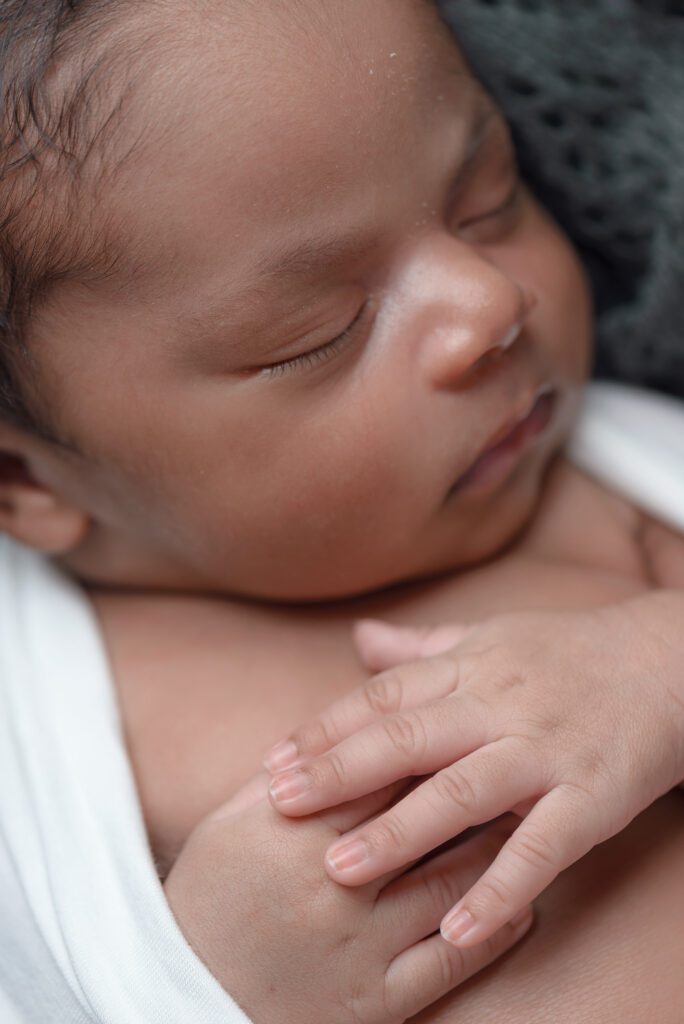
575	720
251	895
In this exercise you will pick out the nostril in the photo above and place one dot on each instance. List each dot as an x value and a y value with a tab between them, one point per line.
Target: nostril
496	351
509	338
483	363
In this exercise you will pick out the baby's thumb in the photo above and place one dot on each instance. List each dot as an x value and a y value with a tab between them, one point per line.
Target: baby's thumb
381	645
251	793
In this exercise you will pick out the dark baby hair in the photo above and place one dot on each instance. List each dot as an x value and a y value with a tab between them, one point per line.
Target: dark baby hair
59	112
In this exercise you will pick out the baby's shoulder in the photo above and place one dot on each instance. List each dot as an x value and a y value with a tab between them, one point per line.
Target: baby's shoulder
581	521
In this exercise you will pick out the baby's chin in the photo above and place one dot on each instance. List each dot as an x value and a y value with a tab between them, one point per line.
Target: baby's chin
491	528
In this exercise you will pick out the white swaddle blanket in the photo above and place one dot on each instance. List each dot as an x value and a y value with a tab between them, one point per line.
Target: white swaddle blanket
633	442
86	936
85	932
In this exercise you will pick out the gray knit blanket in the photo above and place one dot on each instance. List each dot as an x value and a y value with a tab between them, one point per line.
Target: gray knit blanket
594	90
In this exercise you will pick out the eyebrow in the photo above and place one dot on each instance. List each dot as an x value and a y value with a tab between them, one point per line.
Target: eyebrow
317	253
311	255
486	115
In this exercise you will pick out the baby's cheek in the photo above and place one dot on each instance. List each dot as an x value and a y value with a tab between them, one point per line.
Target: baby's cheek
569	306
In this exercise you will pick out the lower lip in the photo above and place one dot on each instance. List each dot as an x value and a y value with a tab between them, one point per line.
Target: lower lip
497	463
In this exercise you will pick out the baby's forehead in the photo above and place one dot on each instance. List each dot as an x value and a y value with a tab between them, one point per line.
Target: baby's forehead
264	101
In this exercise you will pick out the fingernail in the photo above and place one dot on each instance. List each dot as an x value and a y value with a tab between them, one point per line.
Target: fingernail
348	855
282	755
290	786
458	927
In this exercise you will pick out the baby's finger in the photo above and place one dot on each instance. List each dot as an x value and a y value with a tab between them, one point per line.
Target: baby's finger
552	837
474	790
426	972
357	812
381	645
406	686
416	742
410	907
409	910
252	792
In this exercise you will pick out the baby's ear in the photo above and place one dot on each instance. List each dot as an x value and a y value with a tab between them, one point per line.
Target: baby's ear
30	512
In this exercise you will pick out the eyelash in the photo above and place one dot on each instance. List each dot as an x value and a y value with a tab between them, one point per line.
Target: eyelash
319	355
505	207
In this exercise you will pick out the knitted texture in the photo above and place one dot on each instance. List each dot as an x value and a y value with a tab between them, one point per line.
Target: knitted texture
594	91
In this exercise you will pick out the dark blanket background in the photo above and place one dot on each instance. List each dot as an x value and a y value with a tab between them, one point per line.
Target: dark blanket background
594	90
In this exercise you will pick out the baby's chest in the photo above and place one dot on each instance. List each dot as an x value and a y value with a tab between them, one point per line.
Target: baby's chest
207	687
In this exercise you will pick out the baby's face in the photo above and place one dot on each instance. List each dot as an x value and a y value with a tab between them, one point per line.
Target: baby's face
344	298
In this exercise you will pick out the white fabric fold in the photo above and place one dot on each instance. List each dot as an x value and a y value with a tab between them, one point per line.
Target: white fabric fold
86	936
633	441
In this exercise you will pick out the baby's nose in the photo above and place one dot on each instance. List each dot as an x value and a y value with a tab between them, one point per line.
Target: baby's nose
482	319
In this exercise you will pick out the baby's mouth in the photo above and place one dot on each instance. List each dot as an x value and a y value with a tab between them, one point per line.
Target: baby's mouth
498	459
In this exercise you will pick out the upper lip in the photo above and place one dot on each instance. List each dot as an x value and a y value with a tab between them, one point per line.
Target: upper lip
523	409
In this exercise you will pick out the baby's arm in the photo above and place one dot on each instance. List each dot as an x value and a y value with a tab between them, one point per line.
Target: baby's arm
574	720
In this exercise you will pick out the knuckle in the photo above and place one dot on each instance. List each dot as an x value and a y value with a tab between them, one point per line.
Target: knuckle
451	786
336	770
496	893
441	891
384	693
587	762
533	728
450	966
534	849
406	734
582	802
389	833
504	677
316	737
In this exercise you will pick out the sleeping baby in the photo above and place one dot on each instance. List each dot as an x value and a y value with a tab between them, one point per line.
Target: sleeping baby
288	344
